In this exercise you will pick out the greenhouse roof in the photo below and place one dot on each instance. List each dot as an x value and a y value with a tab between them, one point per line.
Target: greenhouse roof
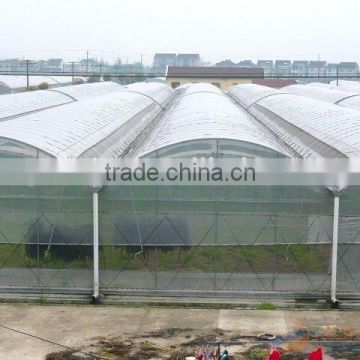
73	130
151	119
24	103
13	105
248	94
84	91
157	92
350	99
202	112
20	81
310	127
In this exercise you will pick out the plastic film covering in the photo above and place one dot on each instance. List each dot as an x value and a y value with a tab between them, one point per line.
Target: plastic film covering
201	113
352	102
82	126
343	98
13	105
189	89
312	128
20	81
320	84
346	85
330	124
318	93
186	238
191	238
248	94
46	239
160	93
65	80
85	91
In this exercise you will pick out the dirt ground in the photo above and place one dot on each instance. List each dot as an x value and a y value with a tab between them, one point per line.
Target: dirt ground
34	332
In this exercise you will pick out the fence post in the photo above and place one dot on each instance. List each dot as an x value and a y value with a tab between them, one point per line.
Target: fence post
334	256
95	196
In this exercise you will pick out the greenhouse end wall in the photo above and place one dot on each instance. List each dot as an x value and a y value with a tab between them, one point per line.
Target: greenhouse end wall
223	240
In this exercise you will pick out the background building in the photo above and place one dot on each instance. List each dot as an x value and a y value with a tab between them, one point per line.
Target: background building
332	69
222	77
190	60
225	63
348	69
282	68
299	68
317	68
246	63
162	61
267	65
274	83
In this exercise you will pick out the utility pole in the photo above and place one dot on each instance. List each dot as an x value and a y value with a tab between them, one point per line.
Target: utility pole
27	74
307	69
87	62
72	71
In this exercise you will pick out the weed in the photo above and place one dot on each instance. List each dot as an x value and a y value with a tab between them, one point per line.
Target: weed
266	306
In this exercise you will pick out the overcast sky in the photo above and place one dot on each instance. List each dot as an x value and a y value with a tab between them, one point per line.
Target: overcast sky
222	29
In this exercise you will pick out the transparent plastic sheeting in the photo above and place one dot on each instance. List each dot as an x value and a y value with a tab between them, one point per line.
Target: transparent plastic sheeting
333	96
68	132
19	104
346	85
20	81
321	85
248	94
188	89
318	93
202	112
85	91
23	103
235	238
159	93
312	128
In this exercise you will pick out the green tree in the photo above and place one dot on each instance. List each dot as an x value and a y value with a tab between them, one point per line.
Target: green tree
78	81
43	86
31	88
94	78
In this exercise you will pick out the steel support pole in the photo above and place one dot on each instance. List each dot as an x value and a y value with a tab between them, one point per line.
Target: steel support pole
96	294
334	256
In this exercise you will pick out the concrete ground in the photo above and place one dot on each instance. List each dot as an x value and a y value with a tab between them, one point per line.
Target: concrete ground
29	332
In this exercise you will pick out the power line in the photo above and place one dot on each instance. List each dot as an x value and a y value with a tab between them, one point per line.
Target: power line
154	75
95	357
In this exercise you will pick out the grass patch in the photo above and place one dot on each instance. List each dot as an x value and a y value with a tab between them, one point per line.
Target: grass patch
256	353
266	306
115	347
222	259
147	346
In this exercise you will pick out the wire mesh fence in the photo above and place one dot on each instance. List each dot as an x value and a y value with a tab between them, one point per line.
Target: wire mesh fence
178	239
